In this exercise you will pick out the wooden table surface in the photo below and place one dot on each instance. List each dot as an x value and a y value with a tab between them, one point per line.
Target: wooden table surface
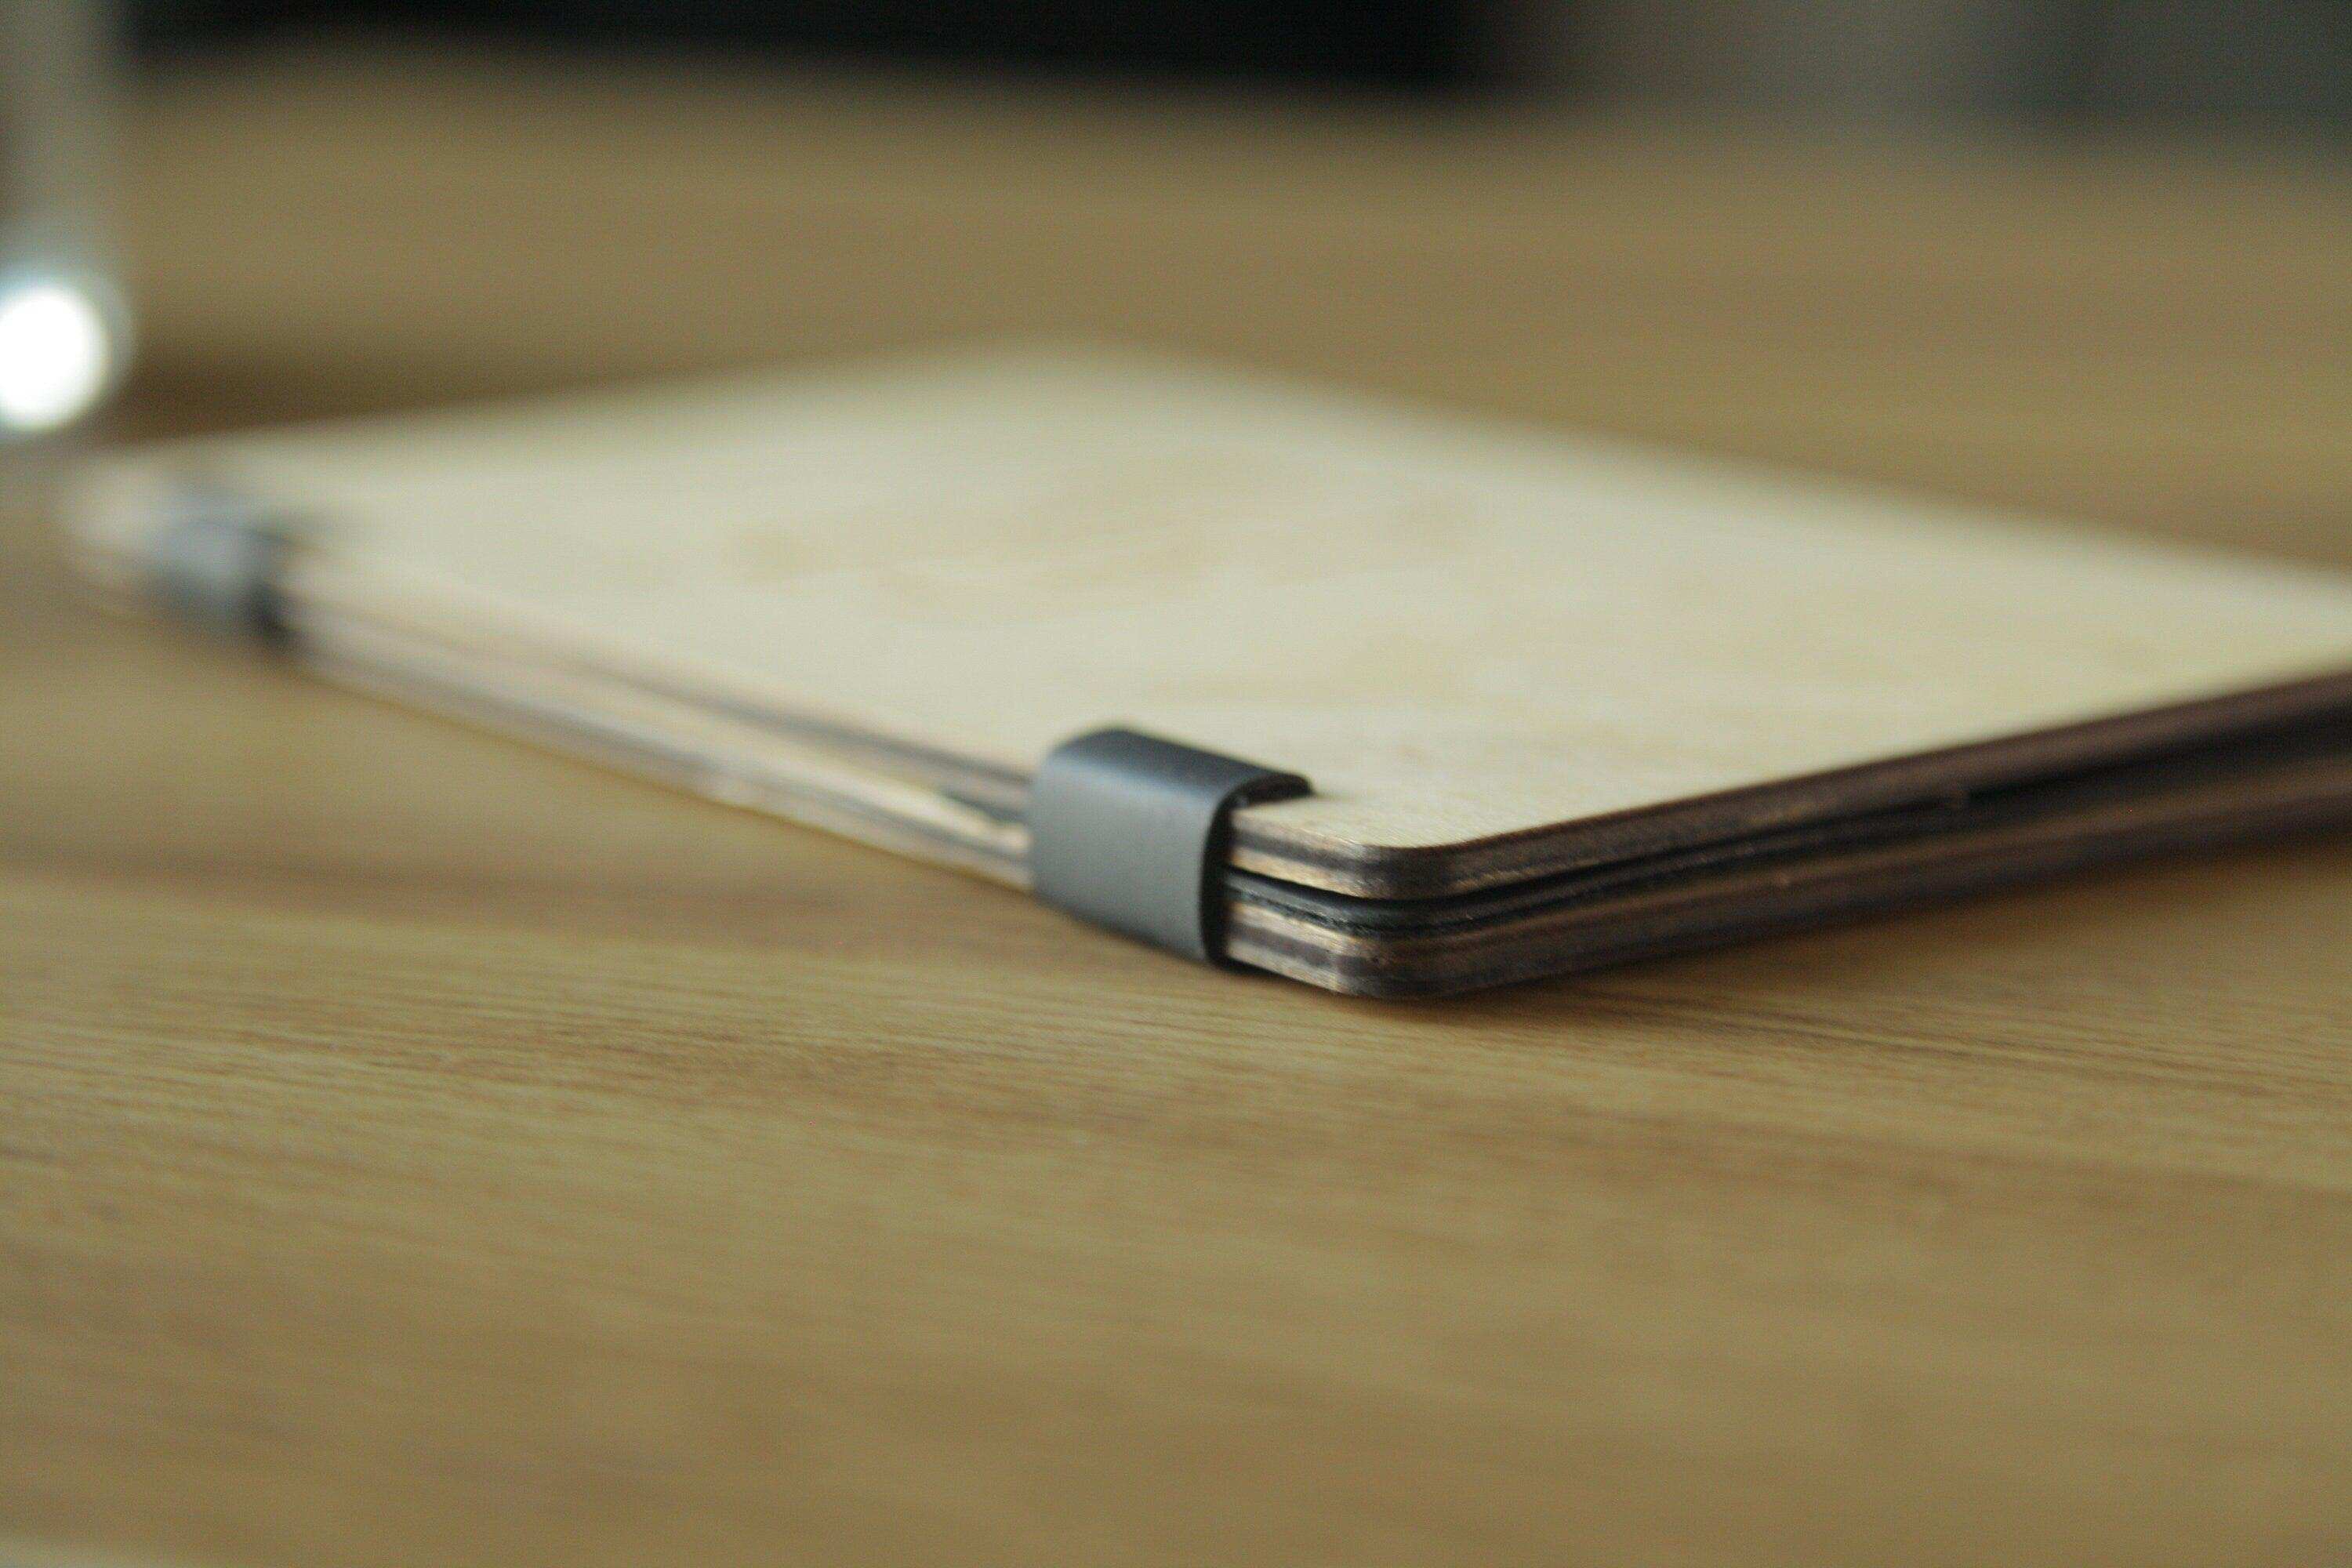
417	1149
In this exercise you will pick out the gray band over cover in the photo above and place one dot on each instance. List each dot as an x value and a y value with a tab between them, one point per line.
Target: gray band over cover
217	561
1130	831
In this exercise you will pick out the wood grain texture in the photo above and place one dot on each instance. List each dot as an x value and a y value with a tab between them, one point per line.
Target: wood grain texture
415	1149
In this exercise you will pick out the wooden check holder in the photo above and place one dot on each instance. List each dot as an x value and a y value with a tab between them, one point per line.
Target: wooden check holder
1512	703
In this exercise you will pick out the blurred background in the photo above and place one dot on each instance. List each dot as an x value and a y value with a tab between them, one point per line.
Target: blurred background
2249	61
2030	59
2085	254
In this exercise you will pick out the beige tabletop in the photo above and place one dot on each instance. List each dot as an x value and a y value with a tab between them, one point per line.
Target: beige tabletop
415	1149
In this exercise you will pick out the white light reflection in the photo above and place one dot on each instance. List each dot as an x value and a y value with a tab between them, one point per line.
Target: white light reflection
54	356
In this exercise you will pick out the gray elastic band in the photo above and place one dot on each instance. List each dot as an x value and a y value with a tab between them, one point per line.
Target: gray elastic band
217	561
1130	831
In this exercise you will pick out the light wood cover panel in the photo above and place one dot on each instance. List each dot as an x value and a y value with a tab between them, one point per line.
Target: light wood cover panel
416	1149
1461	633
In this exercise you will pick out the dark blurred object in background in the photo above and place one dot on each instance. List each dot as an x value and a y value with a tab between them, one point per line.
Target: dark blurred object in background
1421	44
2258	63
